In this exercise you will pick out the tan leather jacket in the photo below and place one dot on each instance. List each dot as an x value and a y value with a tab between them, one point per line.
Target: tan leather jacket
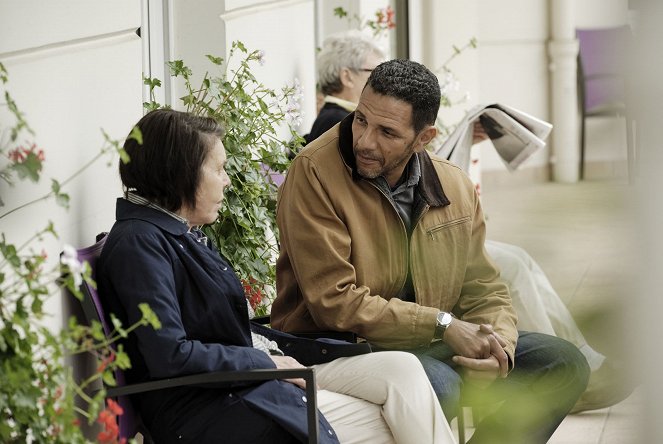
345	252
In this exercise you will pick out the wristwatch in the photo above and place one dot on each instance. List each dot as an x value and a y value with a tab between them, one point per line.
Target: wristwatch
443	322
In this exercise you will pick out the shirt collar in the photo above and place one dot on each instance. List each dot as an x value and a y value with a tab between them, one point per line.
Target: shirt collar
345	104
410	177
140	200
127	210
413	172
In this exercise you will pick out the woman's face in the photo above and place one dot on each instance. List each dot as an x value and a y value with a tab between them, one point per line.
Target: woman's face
209	195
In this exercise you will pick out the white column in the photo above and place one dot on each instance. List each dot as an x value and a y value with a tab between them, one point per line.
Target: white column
563	50
155	36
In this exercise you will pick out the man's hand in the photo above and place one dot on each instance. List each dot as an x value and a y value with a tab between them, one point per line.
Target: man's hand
479	372
289	363
497	344
478	342
468	339
478	133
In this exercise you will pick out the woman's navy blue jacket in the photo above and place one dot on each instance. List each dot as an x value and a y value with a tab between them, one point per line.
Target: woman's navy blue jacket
149	257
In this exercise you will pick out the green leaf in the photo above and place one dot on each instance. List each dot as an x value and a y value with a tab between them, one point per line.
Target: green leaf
108	378
152	83
151	106
136	134
55	186
61	198
177	69
188	99
124	156
149	316
97	331
215	60
3	73
37	305
117	325
340	12
122	358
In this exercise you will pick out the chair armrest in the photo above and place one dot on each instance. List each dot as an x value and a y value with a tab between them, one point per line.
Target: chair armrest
331	334
202	379
262	320
346	336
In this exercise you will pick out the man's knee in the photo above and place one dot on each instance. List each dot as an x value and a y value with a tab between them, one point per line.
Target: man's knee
559	360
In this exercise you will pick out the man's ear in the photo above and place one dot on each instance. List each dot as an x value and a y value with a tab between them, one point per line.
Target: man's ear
346	77
424	138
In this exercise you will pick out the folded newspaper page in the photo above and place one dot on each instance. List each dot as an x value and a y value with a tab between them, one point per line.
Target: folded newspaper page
514	134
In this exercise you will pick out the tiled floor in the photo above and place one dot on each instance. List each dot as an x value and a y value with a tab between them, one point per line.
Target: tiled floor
579	235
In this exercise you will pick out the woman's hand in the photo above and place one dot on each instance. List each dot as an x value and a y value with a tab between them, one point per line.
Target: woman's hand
289	363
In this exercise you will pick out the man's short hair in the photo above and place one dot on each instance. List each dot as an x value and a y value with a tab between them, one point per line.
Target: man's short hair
165	168
348	49
411	82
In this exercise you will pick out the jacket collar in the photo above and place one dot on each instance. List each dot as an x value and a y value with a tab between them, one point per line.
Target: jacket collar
126	210
430	186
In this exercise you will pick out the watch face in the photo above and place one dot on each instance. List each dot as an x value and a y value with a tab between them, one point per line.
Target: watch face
444	319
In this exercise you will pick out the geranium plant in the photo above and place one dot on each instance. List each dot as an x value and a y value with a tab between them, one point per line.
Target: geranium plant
383	19
40	401
255	118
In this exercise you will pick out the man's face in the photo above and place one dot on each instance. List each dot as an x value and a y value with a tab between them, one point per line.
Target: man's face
383	139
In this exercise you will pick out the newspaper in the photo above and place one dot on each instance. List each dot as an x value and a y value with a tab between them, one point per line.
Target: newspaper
514	134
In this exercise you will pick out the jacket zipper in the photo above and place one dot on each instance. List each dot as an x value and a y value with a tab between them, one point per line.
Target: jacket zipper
407	239
416	222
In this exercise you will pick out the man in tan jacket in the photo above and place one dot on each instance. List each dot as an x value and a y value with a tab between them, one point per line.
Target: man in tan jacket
382	239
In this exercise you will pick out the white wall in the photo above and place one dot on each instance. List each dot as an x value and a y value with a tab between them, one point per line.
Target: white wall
285	31
511	63
601	13
648	71
74	68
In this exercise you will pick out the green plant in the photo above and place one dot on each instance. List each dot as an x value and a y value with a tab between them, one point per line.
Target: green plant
254	116
450	86
39	399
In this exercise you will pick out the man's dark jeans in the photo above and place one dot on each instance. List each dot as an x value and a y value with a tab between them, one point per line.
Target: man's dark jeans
549	376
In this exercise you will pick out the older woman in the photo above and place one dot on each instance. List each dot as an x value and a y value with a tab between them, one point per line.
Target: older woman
155	253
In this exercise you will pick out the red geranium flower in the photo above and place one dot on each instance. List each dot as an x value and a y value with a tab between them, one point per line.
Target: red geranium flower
252	292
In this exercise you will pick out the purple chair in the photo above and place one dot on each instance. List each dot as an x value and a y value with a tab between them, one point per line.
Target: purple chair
129	422
602	62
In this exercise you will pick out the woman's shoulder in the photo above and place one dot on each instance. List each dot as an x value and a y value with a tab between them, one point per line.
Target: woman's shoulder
133	237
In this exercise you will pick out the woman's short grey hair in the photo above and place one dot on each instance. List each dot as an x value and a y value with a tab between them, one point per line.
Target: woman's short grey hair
348	49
